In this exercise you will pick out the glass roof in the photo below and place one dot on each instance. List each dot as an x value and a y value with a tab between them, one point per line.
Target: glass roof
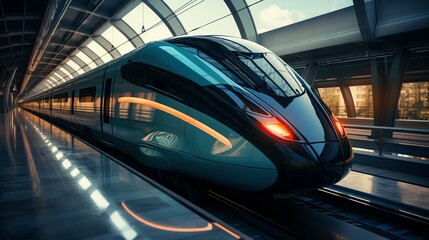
118	40
196	16
144	21
76	67
204	17
269	15
82	56
99	51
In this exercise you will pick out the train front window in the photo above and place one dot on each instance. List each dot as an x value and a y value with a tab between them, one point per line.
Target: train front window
275	74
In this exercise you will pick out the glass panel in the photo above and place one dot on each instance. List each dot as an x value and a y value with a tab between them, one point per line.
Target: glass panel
333	98
414	101
134	18
118	40
270	15
362	97
55	78
147	24
87	60
58	75
280	80
76	67
99	51
203	17
87	94
49	81
65	72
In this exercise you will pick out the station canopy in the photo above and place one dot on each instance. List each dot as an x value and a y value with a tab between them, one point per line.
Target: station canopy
92	33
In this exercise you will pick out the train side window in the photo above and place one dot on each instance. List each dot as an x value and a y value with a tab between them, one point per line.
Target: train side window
173	85
60	98
87	94
133	72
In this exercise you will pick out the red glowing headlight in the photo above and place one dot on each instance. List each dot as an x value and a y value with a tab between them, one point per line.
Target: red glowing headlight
278	129
338	126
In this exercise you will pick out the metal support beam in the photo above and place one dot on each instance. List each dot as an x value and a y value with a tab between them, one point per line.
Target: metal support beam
348	100
107	46
393	88
53	15
379	82
310	73
167	16
6	92
92	55
128	32
366	16
386	89
243	18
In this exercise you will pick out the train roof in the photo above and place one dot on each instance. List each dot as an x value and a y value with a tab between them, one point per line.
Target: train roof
231	43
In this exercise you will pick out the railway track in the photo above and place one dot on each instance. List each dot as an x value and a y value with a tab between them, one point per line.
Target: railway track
321	214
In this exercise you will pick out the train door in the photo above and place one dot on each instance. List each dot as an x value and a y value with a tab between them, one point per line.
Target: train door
72	108
106	104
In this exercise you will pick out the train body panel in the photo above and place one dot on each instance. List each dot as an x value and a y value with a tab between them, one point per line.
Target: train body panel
219	109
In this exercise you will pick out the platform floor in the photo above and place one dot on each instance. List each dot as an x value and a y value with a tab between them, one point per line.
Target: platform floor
388	192
53	186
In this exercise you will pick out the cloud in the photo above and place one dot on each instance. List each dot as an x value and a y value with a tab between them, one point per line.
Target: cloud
275	17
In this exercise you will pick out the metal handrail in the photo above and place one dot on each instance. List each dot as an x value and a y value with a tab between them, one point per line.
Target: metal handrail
380	130
394	129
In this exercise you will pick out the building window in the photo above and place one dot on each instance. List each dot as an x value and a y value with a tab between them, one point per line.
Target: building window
333	98
362	97
414	101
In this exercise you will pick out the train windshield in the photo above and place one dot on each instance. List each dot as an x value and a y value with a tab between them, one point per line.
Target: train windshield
261	71
276	76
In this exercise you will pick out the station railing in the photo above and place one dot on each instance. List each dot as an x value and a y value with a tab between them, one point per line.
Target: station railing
407	142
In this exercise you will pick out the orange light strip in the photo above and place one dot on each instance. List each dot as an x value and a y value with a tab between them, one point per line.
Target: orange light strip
194	122
166	228
226	230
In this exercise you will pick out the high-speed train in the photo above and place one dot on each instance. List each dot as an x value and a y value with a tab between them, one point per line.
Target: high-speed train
220	109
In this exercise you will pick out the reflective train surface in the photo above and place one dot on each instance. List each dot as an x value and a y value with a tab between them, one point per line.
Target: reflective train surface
219	109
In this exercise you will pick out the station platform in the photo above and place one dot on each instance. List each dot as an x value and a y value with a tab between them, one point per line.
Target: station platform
53	186
385	191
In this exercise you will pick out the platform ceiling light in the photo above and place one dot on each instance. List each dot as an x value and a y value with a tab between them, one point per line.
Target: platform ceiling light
99	199
84	183
122	225
59	155
74	172
66	164
54	149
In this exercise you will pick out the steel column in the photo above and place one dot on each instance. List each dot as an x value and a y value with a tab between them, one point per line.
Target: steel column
6	104
310	73
348	100
243	18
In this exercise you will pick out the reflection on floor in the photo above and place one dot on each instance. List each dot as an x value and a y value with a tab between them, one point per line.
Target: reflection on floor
53	186
401	195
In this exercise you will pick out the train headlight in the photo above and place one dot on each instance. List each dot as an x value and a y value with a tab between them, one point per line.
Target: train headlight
278	129
338	126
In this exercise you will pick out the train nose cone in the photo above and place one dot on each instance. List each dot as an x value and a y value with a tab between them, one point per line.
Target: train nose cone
332	161
312	122
308	118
